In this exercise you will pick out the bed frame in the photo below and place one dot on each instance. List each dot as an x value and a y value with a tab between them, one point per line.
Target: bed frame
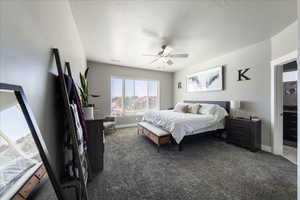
224	104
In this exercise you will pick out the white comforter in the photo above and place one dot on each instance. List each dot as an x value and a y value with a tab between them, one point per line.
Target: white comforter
181	124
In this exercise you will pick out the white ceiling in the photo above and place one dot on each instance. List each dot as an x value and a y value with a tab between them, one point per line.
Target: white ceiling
119	32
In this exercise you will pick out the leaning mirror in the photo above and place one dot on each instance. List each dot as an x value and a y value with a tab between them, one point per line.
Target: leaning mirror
25	170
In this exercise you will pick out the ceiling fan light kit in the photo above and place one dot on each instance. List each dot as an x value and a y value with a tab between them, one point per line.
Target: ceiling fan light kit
165	55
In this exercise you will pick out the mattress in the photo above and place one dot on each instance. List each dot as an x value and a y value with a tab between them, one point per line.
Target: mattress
183	124
217	126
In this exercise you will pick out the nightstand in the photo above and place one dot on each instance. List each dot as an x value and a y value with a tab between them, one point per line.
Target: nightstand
244	132
95	144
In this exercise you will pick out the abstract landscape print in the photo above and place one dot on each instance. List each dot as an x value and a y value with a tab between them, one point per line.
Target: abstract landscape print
209	80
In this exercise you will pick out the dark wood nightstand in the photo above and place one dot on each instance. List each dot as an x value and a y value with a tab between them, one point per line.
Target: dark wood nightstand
244	132
95	144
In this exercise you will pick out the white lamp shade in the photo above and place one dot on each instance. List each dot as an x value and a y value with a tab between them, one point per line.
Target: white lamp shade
234	104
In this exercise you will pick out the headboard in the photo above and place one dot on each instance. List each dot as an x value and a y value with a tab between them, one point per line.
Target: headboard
224	104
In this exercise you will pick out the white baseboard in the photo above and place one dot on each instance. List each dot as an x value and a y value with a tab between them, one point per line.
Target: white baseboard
126	125
266	148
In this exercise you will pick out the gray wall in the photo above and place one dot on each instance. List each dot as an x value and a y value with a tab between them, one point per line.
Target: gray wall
285	41
254	94
99	83
28	29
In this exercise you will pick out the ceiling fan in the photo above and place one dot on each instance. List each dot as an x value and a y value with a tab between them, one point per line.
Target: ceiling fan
165	55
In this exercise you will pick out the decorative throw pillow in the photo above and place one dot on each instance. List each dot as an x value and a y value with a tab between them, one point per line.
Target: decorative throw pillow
193	108
180	107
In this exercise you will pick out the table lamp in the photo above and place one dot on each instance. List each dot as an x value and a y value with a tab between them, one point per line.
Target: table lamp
235	106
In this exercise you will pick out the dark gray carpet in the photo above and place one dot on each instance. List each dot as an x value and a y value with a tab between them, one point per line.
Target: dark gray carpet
206	169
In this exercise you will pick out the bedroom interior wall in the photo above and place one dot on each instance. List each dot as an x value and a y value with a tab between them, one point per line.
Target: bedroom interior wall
28	29
285	41
99	83
254	93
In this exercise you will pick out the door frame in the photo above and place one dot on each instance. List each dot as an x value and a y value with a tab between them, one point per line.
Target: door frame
277	100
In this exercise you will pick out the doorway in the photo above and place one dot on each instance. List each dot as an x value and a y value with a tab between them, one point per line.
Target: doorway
277	108
289	81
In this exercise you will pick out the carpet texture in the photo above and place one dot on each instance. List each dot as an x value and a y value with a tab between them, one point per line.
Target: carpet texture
207	168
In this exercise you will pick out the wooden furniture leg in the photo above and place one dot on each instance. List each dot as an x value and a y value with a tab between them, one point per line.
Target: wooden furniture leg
180	146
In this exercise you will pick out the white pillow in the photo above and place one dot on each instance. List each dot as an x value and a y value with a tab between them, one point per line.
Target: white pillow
180	107
207	109
220	113
193	108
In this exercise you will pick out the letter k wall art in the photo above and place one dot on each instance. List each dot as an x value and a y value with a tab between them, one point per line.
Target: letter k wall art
243	75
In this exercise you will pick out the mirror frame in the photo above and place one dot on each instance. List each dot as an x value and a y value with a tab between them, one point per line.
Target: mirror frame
38	139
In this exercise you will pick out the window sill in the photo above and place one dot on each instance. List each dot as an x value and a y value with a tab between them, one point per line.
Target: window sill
133	114
129	114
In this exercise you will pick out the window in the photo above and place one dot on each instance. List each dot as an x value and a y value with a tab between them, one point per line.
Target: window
152	94
129	101
116	96
130	96
141	95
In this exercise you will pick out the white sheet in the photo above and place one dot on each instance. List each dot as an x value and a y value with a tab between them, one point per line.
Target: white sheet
182	124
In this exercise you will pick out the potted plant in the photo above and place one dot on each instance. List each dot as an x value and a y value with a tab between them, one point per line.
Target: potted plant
88	108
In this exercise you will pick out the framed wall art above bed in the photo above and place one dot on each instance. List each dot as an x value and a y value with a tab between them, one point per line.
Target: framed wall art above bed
208	80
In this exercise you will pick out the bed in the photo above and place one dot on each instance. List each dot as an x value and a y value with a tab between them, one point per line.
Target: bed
180	125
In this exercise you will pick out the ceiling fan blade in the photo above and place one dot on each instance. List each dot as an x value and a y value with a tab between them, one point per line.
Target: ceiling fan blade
154	35
149	55
154	61
150	33
179	55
